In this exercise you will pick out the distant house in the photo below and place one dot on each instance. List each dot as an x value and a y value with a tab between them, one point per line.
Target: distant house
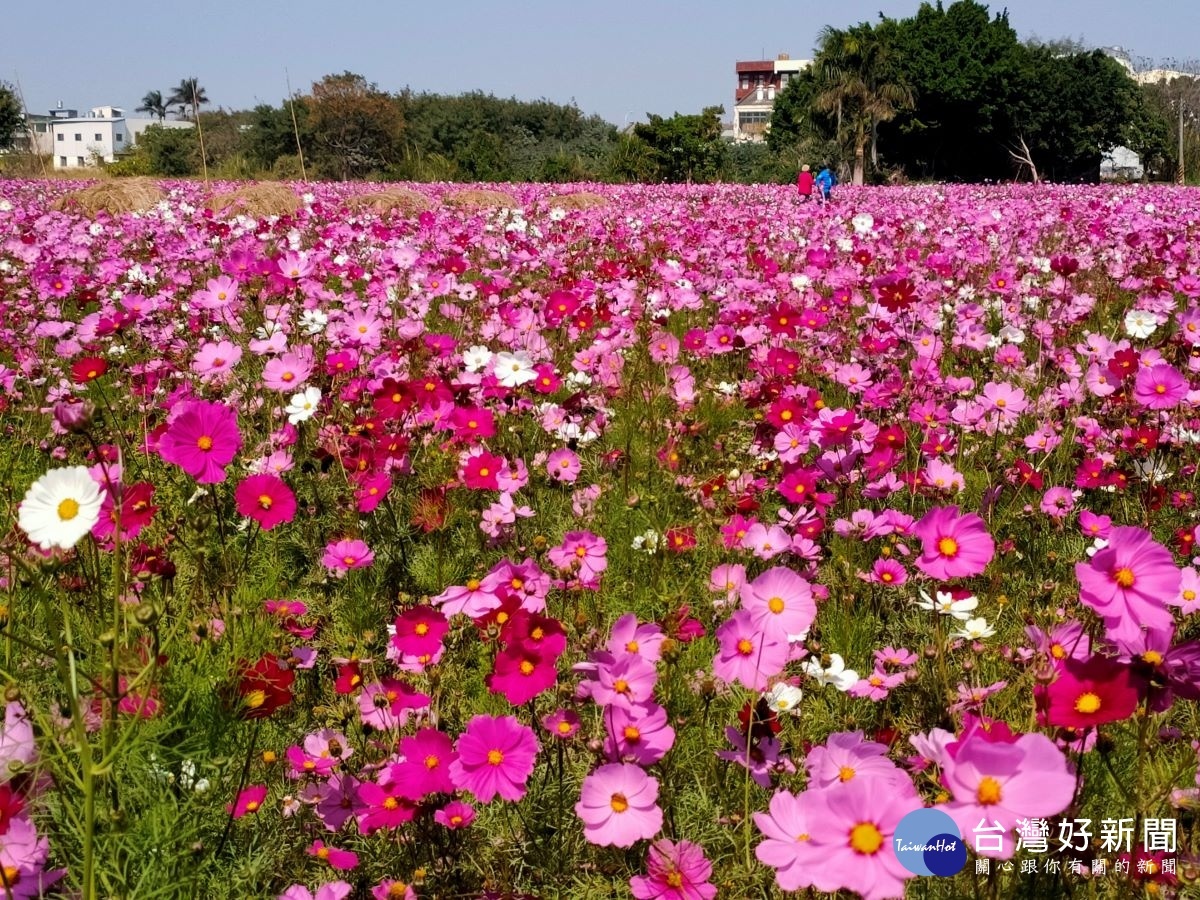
81	141
1121	164
758	82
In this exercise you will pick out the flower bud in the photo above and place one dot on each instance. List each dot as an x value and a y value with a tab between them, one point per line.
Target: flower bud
74	416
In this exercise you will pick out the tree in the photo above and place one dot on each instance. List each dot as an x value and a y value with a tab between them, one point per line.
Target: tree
12	119
685	148
188	96
357	129
270	133
857	82
154	104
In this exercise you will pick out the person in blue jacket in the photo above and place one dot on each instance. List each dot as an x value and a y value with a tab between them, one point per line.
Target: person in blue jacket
825	182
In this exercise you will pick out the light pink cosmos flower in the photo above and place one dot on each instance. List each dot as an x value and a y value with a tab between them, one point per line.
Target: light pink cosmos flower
788	827
17	747
618	806
954	545
1129	582
854	836
998	779
642	639
563	465
333	890
748	654
584	550
847	755
341	556
780	602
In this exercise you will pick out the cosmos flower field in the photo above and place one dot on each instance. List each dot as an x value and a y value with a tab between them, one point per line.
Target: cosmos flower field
678	546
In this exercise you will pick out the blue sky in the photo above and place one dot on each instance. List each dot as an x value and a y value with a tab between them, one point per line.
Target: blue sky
618	59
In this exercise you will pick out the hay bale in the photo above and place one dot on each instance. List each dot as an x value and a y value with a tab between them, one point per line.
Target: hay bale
257	201
578	200
480	198
116	197
410	203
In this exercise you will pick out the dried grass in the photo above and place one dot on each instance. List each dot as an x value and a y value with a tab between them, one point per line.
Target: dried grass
478	198
578	200
410	203
116	197
257	201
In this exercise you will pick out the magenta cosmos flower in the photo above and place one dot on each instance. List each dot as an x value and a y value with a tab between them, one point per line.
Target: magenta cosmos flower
780	601
855	823
618	804
248	801
1159	387
954	545
748	653
1128	583
266	500
674	871
202	440
1000	780
496	755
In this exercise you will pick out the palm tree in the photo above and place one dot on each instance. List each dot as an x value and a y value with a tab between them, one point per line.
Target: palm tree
188	95
854	69
154	104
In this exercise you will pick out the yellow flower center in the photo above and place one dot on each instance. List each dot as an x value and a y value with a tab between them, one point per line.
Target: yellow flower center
526	667
675	879
204	442
485	472
252	806
564	727
775	605
432	762
1088	703
1058	651
865	838
265	501
323	853
473	585
348	560
1124	577
618	803
632	734
1189	595
255	699
631	646
11	876
620	685
68	509
948	546
495	757
581	552
422	629
1153	657
745	647
845	773
390	803
988	791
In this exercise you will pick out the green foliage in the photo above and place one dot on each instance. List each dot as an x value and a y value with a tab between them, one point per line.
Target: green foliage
685	148
166	152
11	118
356	128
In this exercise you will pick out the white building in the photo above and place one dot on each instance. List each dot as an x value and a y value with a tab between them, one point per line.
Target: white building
82	141
758	83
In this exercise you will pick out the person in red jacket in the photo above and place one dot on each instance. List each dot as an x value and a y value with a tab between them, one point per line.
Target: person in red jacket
804	183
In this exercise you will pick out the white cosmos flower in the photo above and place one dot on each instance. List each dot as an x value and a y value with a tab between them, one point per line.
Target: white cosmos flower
945	604
784	698
1140	324
475	359
975	630
313	321
513	369
863	223
60	508
302	406
835	673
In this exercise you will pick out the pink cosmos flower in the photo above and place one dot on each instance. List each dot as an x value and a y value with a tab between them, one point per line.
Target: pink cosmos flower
583	549
639	734
853	835
390	889
1188	598
1086	693
496	755
846	756
1129	582
727	579
1159	387
202	440
749	654
266	500
563	724
674	871
780	602
954	545
384	806
334	890
618	806
341	556
521	673
428	755
474	599
419	631
630	636
216	360
626	680
563	465
289	371
17	745
1000	779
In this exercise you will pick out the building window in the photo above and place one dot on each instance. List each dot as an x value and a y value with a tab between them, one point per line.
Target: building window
60	136
62	162
753	118
40	127
119	137
99	136
745	82
79	161
783	79
78	136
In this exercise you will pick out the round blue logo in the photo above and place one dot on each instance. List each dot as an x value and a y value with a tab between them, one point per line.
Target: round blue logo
927	842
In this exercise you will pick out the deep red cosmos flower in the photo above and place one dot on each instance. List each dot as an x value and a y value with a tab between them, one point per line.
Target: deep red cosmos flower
265	687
